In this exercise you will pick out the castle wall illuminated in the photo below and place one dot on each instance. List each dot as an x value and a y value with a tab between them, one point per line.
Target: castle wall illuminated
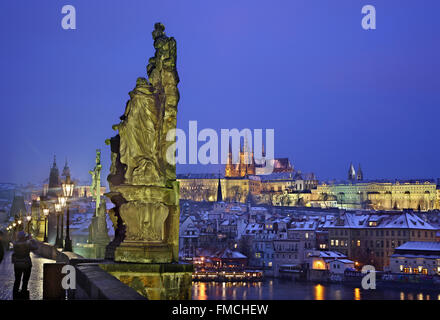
288	187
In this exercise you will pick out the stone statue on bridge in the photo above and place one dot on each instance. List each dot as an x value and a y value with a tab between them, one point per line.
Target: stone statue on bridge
98	231
142	178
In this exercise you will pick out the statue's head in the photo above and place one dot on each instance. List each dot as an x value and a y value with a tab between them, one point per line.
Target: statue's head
159	30
98	155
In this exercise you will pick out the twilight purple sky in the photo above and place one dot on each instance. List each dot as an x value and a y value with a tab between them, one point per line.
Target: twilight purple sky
333	92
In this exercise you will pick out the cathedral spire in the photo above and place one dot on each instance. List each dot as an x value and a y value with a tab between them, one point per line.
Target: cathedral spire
219	191
360	174
66	170
54	179
351	173
54	165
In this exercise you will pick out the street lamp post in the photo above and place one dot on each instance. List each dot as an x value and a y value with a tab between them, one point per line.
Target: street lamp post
62	202
14	228
46	214
59	240
67	193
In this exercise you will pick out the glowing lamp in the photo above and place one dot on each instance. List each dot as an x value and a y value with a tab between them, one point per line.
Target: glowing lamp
58	207
67	187
62	202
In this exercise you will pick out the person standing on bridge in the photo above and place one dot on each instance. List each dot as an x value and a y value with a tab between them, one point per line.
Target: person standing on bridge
22	264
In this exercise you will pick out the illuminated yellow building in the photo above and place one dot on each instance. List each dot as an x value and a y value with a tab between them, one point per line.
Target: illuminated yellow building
205	188
380	195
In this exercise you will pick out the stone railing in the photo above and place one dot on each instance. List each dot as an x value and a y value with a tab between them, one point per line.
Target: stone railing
92	282
48	251
95	283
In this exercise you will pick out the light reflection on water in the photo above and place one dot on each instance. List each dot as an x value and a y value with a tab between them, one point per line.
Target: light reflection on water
290	290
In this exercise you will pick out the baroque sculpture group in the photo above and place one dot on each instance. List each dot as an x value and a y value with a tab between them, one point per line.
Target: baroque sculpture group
142	182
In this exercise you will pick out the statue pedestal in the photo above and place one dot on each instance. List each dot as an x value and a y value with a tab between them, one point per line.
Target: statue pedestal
143	252
171	281
40	230
151	219
90	250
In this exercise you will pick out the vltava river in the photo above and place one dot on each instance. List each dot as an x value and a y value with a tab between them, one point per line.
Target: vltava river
277	289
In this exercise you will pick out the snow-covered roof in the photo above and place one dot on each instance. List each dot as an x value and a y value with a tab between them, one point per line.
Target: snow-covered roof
304	225
258	209
345	261
404	220
330	254
420	245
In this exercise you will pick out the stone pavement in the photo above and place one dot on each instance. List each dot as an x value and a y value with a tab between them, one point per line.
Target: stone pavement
35	283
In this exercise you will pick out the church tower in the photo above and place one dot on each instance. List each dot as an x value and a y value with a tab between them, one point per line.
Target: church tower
54	180
66	171
245	165
351	173
360	174
219	191
229	168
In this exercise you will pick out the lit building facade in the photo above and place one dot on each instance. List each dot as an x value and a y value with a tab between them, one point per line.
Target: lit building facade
371	239
416	258
379	195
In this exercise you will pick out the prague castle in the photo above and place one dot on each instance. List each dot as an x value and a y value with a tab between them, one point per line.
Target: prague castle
244	182
289	187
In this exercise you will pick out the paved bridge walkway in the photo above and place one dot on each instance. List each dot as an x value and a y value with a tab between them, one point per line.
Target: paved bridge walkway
35	283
